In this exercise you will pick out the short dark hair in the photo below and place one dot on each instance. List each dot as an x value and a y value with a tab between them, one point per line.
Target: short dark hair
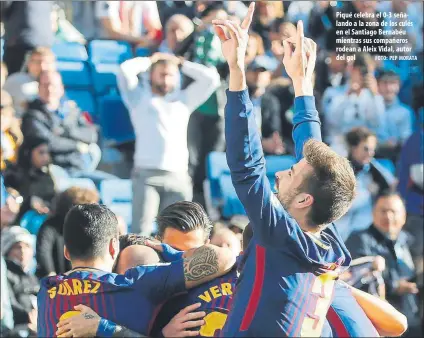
357	135
386	193
385	74
131	239
88	229
332	183
184	216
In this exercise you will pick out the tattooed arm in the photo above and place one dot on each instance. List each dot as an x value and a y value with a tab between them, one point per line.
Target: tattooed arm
206	263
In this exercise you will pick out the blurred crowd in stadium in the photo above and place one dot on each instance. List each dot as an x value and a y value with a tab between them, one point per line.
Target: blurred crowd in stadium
121	102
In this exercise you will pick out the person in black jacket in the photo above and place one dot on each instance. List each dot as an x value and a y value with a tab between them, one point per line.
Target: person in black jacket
60	121
386	238
18	249
31	176
49	249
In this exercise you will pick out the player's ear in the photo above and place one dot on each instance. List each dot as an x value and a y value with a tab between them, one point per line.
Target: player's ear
66	253
304	200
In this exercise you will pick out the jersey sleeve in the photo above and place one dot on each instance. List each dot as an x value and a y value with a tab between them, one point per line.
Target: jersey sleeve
270	221
159	282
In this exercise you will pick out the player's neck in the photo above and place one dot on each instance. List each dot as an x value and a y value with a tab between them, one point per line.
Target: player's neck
97	264
305	226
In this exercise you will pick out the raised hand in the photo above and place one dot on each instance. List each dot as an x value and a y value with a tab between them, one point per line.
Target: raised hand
234	45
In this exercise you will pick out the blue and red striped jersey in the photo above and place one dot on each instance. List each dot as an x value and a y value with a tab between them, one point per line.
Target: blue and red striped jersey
132	300
215	298
287	283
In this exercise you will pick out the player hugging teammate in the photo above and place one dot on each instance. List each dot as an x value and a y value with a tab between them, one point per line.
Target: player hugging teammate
285	283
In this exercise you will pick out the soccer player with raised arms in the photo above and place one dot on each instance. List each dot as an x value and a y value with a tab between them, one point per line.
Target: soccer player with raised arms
291	264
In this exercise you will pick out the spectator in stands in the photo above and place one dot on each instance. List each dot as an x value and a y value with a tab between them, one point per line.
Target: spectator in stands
18	249
23	86
6	309
136	22
322	24
160	117
225	238
282	30
9	207
3	74
371	180
11	134
263	18
300	11
184	225
266	107
255	47
49	249
27	25
63	30
31	176
167	9
386	238
411	187
177	28
356	104
398	117
61	122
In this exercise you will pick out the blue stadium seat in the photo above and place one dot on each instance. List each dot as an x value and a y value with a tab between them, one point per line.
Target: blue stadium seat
1	49
67	183
216	166
84	100
32	221
104	77
114	120
109	51
117	195
387	164
143	52
70	51
231	204
75	74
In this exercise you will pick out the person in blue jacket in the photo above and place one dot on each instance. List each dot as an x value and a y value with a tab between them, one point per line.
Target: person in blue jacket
290	266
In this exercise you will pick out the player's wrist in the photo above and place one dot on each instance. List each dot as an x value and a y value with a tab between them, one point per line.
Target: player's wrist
106	328
303	87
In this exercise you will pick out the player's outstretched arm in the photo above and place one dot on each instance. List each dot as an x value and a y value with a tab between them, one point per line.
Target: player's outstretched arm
244	149
206	263
388	321
299	62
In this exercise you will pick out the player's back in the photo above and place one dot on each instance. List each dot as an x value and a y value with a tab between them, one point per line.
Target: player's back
130	300
286	290
215	298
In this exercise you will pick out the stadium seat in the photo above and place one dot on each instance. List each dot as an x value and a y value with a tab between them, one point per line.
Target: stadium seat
387	164
109	51
143	52
75	74
104	77
84	100
216	166
1	48
231	204
117	195
114	120
32	221
70	51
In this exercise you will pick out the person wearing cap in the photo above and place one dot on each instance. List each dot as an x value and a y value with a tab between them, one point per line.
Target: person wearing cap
266	107
31	175
399	117
17	246
11	135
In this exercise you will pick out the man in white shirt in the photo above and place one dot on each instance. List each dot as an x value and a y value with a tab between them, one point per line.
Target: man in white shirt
160	113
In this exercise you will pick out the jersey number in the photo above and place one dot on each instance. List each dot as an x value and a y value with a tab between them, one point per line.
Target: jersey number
322	290
213	321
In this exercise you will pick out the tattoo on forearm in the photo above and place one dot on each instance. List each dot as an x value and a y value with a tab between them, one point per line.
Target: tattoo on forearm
121	331
203	263
88	316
